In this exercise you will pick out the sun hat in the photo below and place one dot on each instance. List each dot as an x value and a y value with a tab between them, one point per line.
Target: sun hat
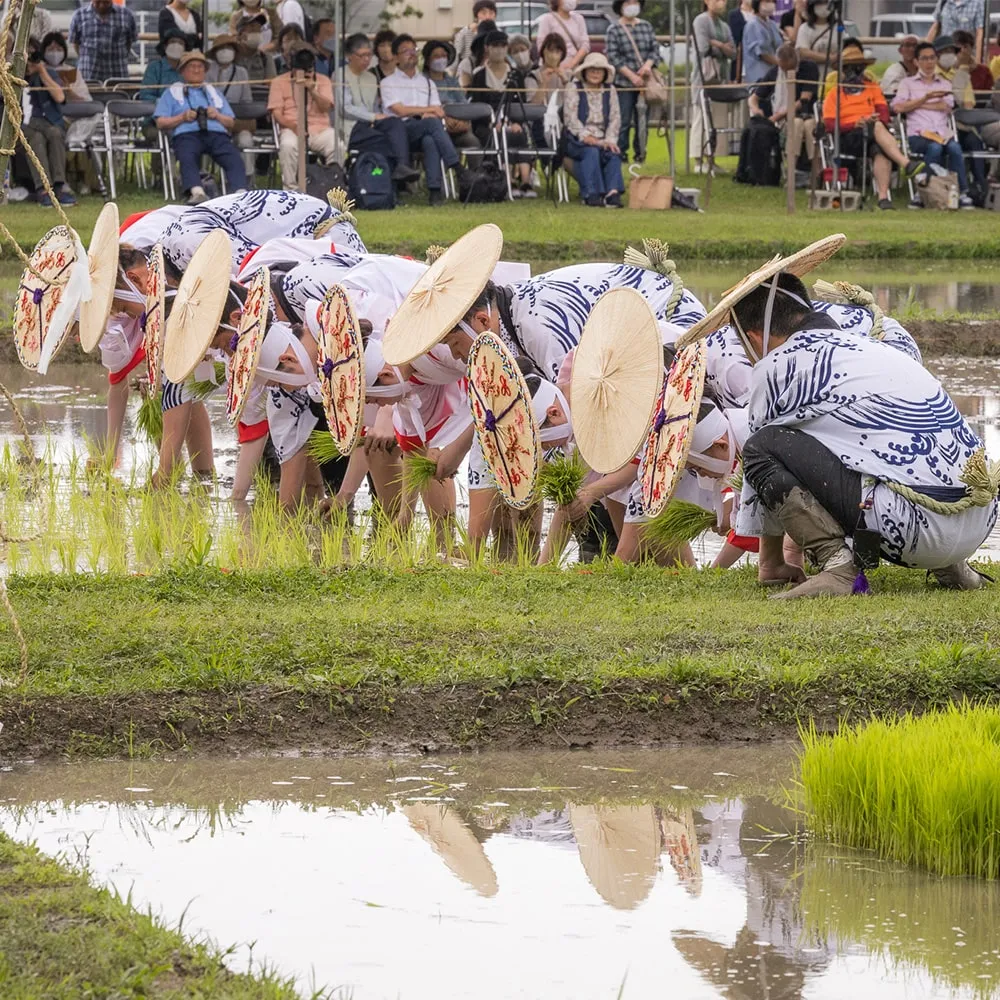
443	295
437	43
341	361
247	342
504	420
672	433
195	55
617	374
799	264
943	42
201	297
50	291
155	317
222	41
102	262
445	830
595	60
853	55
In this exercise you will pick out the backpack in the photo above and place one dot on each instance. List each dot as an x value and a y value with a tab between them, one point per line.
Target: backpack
370	185
485	183
760	154
320	178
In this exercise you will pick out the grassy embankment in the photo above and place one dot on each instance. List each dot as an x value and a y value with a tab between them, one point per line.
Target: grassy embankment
438	658
61	938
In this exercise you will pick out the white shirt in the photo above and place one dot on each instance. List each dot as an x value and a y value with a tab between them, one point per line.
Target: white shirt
417	91
290	12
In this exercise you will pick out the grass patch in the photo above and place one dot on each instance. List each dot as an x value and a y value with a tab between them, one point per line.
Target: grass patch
923	791
61	938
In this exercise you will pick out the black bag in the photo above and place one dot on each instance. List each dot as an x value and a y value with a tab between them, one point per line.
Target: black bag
320	178
760	154
370	186
486	183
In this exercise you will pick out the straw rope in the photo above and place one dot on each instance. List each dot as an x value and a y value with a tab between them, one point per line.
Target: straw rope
433	252
981	477
341	205
844	291
656	259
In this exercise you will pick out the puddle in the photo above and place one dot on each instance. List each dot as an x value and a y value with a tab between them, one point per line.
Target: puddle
574	876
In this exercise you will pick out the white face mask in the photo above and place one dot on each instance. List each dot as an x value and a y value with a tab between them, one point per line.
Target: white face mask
439	65
631	9
225	56
947	59
569	6
522	59
175	51
252	41
54	57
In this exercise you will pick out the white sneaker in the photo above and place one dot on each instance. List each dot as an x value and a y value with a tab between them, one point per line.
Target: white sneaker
964	201
18	194
698	167
197	195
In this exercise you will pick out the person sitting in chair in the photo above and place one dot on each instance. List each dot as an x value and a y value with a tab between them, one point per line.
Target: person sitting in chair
769	98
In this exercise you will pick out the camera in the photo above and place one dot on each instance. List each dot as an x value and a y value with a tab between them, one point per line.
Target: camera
202	114
304	61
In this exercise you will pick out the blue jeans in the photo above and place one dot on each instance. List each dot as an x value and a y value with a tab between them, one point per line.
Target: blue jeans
597	170
627	100
386	136
934	152
427	136
189	147
971	143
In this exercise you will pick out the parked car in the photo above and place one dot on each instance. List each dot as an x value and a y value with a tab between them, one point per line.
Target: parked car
894	26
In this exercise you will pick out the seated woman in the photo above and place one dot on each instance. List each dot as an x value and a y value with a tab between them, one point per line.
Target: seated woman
547	78
437	57
593	120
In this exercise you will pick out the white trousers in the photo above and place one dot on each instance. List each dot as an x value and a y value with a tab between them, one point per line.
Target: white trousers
324	143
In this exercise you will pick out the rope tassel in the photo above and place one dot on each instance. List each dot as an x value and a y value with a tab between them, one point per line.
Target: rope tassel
655	256
844	291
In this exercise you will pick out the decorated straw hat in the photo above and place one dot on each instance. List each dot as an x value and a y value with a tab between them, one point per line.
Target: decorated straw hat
341	361
201	297
617	373
443	295
155	317
249	339
504	420
102	259
800	263
49	294
673	427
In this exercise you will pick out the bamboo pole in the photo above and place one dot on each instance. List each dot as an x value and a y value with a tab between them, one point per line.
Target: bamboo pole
16	70
299	91
792	126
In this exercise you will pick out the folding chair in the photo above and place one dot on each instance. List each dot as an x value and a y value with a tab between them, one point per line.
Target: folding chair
94	146
476	113
264	140
527	116
123	135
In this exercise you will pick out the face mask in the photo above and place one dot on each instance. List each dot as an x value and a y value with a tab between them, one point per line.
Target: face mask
439	65
631	10
947	59
252	41
821	10
496	54
54	57
569	6
174	51
225	56
522	59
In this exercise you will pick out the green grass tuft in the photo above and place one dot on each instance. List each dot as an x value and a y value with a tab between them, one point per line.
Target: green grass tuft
677	523
561	478
322	448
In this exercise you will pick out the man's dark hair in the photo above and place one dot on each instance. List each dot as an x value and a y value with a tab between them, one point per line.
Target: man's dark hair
385	35
289	29
399	41
356	42
786	315
960	38
483	5
923	47
321	22
53	38
487	297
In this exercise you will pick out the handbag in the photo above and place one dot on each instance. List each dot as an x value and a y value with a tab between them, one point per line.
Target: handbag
655	89
651	192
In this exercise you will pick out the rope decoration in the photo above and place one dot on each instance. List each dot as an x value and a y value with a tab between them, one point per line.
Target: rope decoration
656	258
844	291
434	251
981	478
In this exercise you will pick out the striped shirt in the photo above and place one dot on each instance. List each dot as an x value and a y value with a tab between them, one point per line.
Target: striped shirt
103	41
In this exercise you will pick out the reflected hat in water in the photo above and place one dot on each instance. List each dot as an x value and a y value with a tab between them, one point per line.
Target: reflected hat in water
341	361
102	262
617	374
248	340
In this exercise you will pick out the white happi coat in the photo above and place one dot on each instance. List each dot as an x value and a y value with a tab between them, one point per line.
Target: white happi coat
284	250
885	416
312	278
147	229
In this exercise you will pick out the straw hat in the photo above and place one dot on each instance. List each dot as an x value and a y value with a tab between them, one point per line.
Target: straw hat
800	263
249	340
595	60
102	259
221	41
201	297
49	293
617	373
443	295
504	419
155	317
195	55
441	827
341	361
670	438
852	56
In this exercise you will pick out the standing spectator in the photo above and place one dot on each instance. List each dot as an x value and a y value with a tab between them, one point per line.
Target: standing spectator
177	14
324	41
548	77
593	120
281	102
45	132
482	10
816	40
290	37
959	75
979	73
761	39
266	17
382	43
103	33
233	82
413	97
41	22
292	12
907	66
769	99
437	57
371	129
958	15
793	19
249	54
477	53
633	51
198	119
564	19
715	48
927	100
737	24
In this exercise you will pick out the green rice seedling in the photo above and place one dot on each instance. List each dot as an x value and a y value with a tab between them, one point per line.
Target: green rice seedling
921	790
677	523
203	388
149	419
418	471
561	477
322	448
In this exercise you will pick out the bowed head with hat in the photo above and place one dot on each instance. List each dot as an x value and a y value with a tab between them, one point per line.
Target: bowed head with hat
596	60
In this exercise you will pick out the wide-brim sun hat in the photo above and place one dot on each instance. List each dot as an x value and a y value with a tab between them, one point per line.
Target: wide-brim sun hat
798	264
855	56
155	317
102	262
341	362
221	42
201	297
195	55
674	422
249	340
595	60
437	43
443	295
504	420
617	375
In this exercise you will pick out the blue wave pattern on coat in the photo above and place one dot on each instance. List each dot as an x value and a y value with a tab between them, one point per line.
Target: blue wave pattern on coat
312	279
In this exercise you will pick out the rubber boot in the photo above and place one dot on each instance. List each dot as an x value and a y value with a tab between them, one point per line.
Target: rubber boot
811	526
958	576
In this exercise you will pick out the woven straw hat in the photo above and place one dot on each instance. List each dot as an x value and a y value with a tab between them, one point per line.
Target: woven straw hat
249	340
504	419
102	259
617	373
155	317
443	295
800	263
341	361
48	295
201	297
673	427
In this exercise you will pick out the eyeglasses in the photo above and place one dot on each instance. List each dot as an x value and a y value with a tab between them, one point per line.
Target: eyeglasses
365	54
927	57
406	52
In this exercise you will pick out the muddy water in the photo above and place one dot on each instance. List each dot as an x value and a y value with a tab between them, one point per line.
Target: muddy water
668	873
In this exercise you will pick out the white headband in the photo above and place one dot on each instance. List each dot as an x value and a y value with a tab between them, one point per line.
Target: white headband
547	394
278	339
129	293
374	361
310	312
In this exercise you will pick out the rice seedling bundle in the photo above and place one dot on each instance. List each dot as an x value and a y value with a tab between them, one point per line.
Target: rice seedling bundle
203	388
678	522
561	477
149	420
418	471
322	448
924	791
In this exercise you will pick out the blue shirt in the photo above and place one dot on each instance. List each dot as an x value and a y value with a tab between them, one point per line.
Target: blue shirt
42	105
760	37
194	98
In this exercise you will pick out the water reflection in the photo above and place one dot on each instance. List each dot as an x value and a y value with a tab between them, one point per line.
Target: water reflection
581	875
